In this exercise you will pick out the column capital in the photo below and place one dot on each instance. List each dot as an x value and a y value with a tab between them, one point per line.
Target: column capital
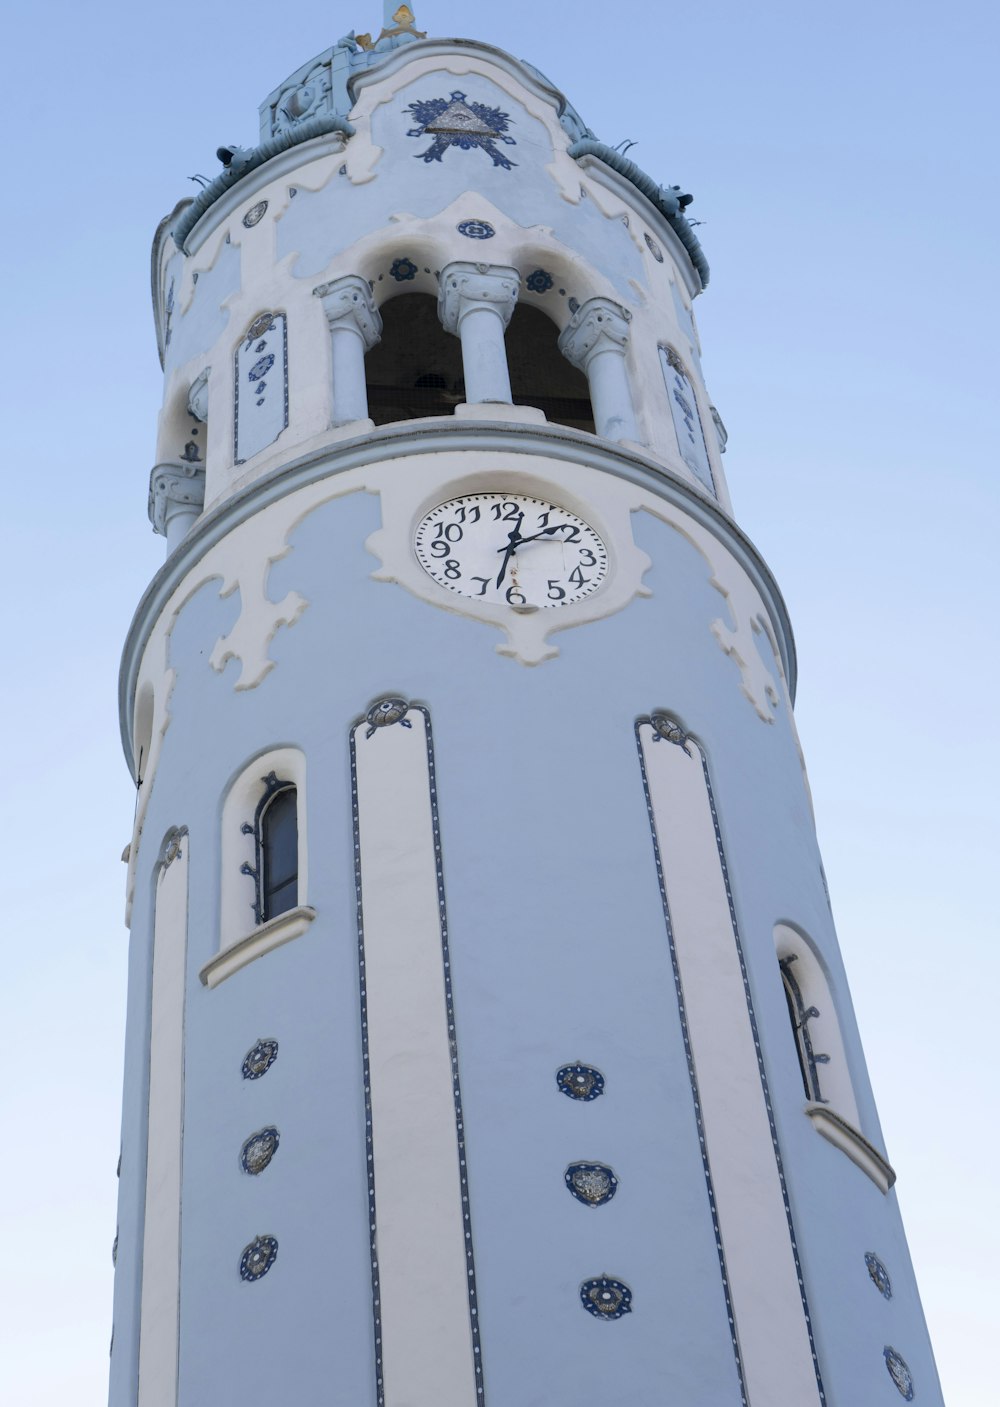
348	302
598	326
175	488
467	288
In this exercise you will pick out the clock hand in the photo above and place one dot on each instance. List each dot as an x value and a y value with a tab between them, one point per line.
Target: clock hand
546	532
508	551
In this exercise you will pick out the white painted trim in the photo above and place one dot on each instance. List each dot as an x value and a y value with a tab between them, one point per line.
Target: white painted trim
852	1142
159	1332
427	1346
753	1225
264	939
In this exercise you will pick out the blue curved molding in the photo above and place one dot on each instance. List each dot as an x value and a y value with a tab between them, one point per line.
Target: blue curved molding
662	197
315	127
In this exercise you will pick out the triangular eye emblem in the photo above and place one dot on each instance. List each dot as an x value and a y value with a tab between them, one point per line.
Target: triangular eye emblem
460	118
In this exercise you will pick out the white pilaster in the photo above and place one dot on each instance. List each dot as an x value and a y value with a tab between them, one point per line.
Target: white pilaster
355	328
475	303
423	1238
753	1220
595	341
161	1246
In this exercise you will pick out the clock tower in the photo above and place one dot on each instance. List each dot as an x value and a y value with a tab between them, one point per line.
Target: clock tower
488	1037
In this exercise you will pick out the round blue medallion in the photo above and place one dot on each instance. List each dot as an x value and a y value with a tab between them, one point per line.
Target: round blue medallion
476	229
581	1082
605	1298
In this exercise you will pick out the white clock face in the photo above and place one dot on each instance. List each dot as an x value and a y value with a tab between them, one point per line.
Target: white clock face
506	548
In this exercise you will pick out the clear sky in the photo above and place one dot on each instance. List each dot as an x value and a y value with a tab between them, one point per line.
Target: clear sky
842	159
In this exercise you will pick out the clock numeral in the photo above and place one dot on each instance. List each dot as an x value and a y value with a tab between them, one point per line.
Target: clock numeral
543	518
512	593
471	515
556	593
449	532
485	583
440	548
577	577
510	516
453	569
574	532
587	558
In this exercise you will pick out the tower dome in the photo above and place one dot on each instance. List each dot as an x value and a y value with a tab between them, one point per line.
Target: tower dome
488	1035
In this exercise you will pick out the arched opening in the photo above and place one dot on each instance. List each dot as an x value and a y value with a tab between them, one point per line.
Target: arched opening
416	369
541	376
279	854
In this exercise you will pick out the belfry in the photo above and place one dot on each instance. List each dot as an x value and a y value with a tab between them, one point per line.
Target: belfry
488	1037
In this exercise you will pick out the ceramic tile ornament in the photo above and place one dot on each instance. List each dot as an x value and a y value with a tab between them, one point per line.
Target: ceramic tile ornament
258	1258
879	1275
580	1082
593	1184
459	122
258	1150
899	1373
259	1059
605	1298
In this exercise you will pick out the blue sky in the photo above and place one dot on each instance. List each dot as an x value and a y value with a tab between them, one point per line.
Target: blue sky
842	160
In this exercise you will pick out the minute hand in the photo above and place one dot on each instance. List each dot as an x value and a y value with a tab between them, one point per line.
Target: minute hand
546	532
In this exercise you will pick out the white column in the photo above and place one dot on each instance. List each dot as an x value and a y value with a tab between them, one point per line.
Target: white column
475	303
355	328
176	498
595	341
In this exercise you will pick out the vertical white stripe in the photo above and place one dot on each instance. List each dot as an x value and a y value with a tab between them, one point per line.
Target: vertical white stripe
161	1248
763	1278
427	1347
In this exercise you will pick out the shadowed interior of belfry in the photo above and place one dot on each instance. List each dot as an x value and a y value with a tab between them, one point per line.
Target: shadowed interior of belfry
415	371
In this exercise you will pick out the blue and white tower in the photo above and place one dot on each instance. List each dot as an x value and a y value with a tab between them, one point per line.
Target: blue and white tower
488	1037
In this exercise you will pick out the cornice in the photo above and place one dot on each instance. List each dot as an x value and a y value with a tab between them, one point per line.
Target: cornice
433	437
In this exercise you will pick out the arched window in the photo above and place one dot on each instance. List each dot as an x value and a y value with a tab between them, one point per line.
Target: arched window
815	1025
541	376
275	831
416	369
800	1016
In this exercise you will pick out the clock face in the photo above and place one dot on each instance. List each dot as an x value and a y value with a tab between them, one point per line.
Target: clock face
506	548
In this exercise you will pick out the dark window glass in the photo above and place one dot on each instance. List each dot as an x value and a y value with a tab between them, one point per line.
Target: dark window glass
279	854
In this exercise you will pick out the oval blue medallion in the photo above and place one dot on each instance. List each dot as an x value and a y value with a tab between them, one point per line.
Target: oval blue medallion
258	1257
899	1373
593	1184
259	1059
879	1275
258	1151
581	1082
605	1298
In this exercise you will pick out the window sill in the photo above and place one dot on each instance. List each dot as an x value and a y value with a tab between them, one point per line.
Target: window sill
847	1138
262	940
